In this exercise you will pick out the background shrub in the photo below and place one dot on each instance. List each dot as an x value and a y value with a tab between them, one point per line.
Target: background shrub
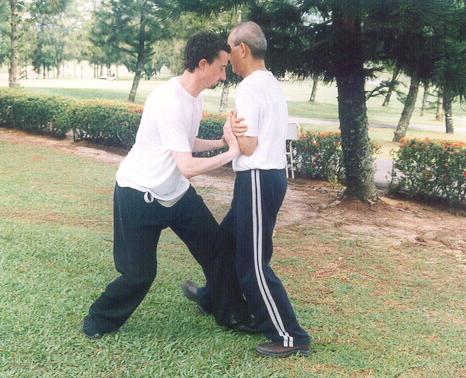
211	127
37	114
319	155
430	170
104	122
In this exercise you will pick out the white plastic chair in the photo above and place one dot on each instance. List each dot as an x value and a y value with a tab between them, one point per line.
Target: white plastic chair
292	133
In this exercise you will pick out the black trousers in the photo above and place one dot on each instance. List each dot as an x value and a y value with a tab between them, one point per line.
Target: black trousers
137	228
247	229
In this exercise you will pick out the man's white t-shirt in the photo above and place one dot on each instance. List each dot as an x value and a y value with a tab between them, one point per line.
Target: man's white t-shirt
170	122
260	101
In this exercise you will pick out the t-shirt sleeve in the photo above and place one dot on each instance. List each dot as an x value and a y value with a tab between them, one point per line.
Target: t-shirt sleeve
173	131
248	107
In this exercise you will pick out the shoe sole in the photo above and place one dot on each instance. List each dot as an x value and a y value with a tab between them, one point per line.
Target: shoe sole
297	352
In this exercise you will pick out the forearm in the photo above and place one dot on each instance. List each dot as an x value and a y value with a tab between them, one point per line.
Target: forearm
201	145
192	166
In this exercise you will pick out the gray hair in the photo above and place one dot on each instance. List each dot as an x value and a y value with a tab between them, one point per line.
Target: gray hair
252	35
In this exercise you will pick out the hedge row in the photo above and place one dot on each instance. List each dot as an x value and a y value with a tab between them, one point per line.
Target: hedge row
430	169
318	155
38	114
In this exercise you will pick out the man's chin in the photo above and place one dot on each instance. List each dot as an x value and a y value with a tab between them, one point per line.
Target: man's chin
215	85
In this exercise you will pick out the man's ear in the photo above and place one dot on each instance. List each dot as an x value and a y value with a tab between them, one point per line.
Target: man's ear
202	64
244	49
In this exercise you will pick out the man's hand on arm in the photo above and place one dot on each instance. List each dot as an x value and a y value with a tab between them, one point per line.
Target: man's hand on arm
247	144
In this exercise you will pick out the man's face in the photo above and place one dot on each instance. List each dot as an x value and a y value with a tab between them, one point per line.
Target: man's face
216	71
234	56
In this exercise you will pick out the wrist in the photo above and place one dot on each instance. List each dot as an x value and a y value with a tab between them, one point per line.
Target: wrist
231	153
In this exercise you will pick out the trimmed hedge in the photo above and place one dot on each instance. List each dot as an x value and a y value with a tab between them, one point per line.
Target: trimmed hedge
38	114
318	155
104	122
429	169
211	127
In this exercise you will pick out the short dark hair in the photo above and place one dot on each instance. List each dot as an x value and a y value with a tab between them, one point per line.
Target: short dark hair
203	45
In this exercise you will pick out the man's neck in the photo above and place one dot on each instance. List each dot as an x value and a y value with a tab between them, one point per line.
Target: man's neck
255	65
190	82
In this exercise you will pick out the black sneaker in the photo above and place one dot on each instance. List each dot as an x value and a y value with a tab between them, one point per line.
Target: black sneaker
190	291
90	329
276	349
246	327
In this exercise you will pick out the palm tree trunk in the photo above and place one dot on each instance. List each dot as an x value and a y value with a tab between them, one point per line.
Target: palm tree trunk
140	59
396	73
14	38
352	111
408	109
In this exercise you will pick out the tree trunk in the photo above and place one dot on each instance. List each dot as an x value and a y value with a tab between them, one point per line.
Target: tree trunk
396	73
438	113
424	98
408	109
447	101
315	79
14	39
224	98
140	60
356	146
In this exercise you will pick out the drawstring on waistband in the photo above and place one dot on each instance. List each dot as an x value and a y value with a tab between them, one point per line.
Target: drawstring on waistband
148	197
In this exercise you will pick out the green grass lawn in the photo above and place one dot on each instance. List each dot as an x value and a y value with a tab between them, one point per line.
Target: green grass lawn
390	312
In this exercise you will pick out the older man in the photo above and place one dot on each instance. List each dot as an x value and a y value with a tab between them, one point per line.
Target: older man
259	190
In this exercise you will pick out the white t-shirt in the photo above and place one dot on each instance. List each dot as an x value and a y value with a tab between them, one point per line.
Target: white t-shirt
170	122
261	102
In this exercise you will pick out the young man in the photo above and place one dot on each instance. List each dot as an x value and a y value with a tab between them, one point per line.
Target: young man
259	190
152	192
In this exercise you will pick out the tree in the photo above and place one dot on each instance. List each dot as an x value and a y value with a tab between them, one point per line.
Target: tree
315	82
18	9
425	96
345	41
4	30
14	38
392	84
450	68
127	30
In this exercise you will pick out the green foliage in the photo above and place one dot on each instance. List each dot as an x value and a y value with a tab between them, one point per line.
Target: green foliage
4	30
37	114
211	127
319	155
431	170
120	27
104	122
